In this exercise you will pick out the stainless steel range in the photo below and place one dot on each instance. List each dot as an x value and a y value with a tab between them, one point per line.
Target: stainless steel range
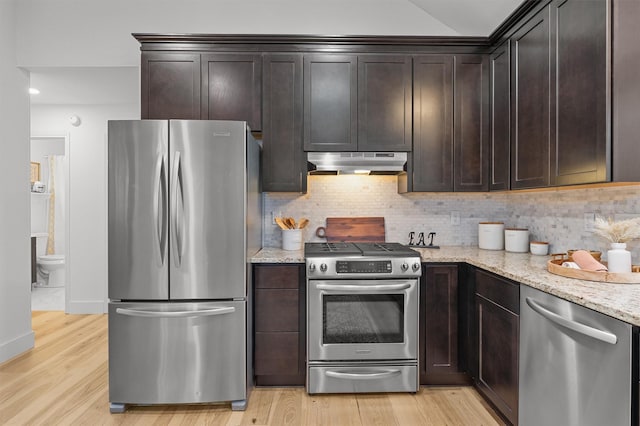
362	317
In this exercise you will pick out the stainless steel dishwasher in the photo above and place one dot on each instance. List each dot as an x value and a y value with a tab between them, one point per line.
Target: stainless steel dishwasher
575	364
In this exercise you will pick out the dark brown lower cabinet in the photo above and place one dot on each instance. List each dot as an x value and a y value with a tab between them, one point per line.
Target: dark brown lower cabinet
279	325
497	321
439	327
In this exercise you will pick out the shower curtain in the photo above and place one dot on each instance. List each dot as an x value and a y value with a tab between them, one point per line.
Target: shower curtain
56	205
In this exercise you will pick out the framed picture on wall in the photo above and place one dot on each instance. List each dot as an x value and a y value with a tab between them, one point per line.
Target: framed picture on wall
35	171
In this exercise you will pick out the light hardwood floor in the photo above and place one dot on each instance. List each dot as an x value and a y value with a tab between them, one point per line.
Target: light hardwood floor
64	380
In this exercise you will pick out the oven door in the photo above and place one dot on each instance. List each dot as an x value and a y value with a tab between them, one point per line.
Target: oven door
362	320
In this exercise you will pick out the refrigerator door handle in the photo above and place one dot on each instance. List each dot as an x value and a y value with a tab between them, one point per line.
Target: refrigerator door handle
594	333
159	210
177	222
175	314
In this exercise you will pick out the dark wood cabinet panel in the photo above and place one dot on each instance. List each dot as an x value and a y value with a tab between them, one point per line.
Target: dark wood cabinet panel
330	102
432	156
384	103
498	337
533	117
284	165
232	88
500	118
625	88
277	276
279	351
170	86
277	310
471	128
579	58
439	325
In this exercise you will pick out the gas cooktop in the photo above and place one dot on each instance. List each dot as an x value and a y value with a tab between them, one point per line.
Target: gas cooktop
358	249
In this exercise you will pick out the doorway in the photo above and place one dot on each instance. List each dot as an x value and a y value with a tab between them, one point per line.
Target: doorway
49	222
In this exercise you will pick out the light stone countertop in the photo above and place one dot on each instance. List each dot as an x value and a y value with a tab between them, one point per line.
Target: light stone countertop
621	301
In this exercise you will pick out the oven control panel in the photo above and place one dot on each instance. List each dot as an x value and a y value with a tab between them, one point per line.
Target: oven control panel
359	267
363	267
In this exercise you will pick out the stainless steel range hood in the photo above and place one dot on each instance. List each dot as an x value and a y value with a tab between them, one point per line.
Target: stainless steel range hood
357	162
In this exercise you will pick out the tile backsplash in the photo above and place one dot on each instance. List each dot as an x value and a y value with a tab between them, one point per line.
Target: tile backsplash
557	216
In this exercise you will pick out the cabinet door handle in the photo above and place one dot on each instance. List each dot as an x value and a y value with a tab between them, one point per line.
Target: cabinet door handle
586	330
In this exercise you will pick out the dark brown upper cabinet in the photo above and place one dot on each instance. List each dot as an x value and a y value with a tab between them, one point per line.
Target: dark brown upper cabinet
450	124
625	90
232	88
579	61
471	123
284	165
384	103
170	85
500	118
532	119
431	167
330	102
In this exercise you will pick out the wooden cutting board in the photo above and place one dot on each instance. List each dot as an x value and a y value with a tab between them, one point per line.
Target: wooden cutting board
354	229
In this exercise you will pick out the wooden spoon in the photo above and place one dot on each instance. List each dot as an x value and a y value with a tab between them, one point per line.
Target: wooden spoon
303	223
281	223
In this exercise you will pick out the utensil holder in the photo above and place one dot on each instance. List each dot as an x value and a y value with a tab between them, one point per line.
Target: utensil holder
292	239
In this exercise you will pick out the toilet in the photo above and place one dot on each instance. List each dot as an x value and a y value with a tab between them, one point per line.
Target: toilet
51	270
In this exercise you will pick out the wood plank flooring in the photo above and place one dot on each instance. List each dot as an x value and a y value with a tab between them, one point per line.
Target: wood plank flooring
64	381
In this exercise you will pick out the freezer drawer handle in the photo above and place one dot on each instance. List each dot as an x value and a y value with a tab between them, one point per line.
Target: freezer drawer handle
603	336
382	287
176	314
362	376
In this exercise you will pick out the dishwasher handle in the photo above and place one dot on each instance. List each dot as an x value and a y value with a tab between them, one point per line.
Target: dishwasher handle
586	330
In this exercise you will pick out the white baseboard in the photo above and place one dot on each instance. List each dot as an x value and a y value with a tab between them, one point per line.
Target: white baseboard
86	307
17	346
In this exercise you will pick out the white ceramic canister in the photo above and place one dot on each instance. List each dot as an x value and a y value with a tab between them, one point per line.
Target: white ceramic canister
516	240
292	239
491	235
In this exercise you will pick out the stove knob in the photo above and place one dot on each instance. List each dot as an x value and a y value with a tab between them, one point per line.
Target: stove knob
404	267
415	267
312	267
323	267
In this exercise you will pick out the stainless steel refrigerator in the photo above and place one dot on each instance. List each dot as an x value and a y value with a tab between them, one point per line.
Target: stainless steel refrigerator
184	219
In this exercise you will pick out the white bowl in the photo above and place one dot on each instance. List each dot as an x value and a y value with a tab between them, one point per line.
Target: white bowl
540	248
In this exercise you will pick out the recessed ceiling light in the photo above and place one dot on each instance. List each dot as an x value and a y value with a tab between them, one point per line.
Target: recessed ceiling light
33	91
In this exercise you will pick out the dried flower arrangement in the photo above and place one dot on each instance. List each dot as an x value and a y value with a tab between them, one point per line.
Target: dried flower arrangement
617	232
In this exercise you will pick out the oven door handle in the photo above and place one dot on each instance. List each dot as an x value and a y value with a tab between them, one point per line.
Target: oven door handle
361	288
362	376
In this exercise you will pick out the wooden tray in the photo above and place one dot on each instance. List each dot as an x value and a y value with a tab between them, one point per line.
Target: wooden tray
555	267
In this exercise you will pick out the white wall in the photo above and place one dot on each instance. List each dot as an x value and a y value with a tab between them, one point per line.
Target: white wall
98	32
16	335
87	246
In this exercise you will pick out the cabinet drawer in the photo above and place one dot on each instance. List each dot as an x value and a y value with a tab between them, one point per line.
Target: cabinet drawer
500	291
277	353
276	310
277	276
